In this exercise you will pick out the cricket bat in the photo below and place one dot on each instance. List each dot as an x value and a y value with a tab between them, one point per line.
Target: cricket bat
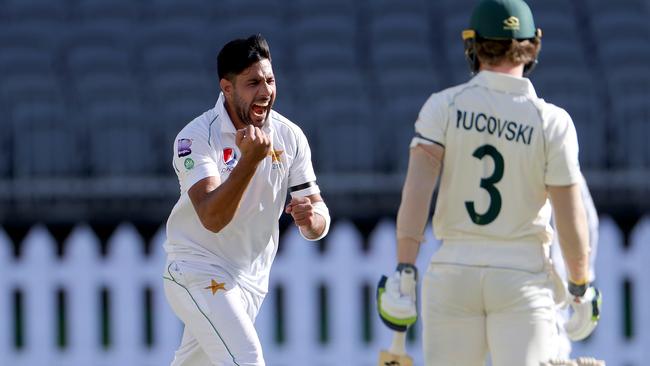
396	354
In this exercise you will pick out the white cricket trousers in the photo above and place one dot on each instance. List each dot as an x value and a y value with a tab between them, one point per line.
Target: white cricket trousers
469	311
218	316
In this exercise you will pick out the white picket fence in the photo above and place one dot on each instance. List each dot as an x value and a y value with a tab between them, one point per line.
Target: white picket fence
301	270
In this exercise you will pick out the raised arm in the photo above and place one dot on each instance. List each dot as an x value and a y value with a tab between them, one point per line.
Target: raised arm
217	202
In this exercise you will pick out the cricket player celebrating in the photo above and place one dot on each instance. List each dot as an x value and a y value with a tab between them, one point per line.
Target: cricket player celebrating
235	164
501	153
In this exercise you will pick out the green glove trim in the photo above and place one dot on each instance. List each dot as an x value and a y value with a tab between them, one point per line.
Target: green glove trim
406	322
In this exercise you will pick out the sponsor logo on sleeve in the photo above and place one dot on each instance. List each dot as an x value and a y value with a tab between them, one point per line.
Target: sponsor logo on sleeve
189	164
230	159
184	147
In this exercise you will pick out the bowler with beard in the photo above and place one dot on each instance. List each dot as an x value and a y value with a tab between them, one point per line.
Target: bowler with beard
235	164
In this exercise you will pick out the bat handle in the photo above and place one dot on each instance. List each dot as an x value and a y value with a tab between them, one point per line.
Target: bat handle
398	347
406	280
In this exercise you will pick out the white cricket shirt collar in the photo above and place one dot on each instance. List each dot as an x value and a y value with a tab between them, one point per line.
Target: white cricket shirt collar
505	83
226	123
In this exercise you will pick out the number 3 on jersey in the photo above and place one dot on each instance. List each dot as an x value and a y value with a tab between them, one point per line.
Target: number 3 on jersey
488	184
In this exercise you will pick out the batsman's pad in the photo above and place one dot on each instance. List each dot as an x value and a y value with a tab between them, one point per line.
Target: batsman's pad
396	300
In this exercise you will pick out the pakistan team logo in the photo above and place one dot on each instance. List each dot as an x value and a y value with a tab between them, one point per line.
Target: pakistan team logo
189	163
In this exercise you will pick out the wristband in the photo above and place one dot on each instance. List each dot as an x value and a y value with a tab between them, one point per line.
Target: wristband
321	209
577	290
403	266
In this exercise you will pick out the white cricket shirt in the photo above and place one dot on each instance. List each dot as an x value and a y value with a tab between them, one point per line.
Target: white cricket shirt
246	247
503	146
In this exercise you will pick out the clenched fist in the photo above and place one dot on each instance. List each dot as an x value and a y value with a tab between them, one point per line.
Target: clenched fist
253	143
302	211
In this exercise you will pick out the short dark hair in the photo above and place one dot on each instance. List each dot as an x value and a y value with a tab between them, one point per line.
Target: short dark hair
238	54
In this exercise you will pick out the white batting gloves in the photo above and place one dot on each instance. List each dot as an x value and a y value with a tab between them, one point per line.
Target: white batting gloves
586	313
396	299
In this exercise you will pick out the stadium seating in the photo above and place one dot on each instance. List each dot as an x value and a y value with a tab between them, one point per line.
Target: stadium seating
342	145
6	144
16	89
180	32
341	67
34	11
120	141
543	8
189	10
110	13
563	78
622	43
26	61
631	139
20	35
170	88
97	89
455	20
45	142
98	59
400	56
161	59
241	18
168	122
396	130
325	45
574	89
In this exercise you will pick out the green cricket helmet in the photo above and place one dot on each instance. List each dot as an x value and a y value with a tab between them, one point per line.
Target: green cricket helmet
499	20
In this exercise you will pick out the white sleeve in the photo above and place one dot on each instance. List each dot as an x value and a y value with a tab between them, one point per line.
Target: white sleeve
562	167
302	179
431	125
194	158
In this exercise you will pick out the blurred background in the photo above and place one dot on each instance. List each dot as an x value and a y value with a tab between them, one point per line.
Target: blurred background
93	92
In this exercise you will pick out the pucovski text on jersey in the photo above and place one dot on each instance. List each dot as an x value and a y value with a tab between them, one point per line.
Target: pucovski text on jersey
484	123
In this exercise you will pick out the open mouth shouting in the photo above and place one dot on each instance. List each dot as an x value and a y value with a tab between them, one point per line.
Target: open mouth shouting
259	112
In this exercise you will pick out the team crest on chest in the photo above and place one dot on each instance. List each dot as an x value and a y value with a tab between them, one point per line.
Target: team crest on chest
275	158
230	159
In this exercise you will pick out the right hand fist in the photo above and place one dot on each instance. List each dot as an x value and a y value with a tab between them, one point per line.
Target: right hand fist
396	298
253	143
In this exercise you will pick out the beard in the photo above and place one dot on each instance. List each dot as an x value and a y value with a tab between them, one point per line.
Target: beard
244	110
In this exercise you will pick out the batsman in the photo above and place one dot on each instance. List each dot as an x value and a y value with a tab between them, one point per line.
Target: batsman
506	160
